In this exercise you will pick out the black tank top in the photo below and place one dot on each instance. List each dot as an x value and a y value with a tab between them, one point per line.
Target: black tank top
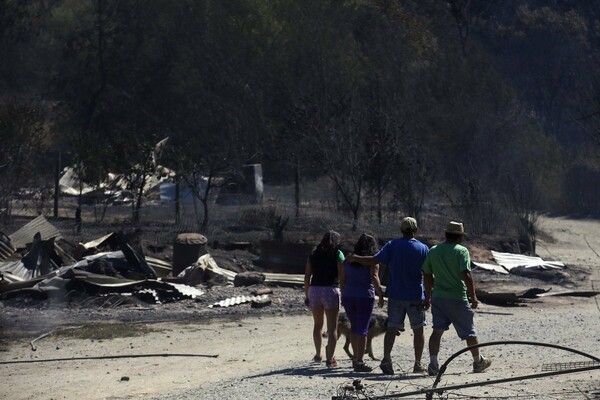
324	268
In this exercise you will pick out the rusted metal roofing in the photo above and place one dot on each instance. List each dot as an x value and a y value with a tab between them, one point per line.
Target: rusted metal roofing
25	235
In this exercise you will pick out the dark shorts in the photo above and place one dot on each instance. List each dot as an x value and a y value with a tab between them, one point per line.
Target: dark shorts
399	309
456	312
323	297
359	310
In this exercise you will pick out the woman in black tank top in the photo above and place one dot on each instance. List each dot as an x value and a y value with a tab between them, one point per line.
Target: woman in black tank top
322	293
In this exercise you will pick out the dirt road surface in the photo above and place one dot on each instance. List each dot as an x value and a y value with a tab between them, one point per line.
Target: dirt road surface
267	357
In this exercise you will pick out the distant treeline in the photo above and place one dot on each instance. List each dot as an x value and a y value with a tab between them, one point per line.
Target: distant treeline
491	106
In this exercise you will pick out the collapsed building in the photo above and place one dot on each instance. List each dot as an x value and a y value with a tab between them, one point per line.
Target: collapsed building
33	263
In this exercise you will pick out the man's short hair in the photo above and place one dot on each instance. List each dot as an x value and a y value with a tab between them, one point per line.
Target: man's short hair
408	225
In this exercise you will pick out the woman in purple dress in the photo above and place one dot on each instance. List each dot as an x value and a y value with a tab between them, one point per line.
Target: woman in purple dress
358	298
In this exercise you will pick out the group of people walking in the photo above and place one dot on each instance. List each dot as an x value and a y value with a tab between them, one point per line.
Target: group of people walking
419	279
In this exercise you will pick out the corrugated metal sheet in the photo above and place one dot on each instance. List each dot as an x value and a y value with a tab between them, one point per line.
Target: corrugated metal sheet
491	267
25	235
5	251
97	242
40	260
16	268
270	278
186	290
161	267
289	279
233	301
510	261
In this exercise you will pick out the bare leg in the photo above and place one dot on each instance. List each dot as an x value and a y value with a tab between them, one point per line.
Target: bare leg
434	342
418	343
359	345
332	321
388	343
354	342
318	317
472	341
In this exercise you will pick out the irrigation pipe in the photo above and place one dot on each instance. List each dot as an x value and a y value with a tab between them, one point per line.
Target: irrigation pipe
33	348
431	392
434	389
108	357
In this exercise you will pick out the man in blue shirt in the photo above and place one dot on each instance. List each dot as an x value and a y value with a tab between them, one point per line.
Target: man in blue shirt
404	258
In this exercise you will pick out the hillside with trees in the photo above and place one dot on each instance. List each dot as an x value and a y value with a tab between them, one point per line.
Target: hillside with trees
492	108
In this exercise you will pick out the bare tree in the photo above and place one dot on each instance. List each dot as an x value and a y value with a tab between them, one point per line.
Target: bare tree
23	136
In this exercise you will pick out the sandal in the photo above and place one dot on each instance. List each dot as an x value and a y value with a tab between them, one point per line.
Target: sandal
317	359
331	363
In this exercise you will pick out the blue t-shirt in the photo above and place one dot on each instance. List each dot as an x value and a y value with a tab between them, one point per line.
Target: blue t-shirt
404	259
358	281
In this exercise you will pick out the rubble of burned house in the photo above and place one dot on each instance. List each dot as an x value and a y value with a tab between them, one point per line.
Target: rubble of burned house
33	263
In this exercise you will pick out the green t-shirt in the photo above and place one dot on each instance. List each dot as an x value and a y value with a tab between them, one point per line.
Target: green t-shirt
447	262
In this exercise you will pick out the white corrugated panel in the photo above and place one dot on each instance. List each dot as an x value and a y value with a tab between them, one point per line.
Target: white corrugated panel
233	301
25	235
491	267
510	261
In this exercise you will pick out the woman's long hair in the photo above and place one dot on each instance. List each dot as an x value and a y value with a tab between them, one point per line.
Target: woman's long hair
366	245
329	245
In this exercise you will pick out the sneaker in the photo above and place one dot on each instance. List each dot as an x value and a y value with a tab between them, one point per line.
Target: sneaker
360	366
331	363
386	367
418	369
433	370
482	364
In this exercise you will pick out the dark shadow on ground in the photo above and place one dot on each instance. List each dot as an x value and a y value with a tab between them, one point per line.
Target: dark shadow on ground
319	370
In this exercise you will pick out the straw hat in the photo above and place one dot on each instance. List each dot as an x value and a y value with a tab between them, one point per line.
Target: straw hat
455	228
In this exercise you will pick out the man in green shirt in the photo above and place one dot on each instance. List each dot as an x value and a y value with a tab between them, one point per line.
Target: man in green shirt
450	291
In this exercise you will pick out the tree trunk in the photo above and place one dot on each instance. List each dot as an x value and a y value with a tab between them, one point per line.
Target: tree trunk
138	201
56	184
379	211
297	186
177	200
204	225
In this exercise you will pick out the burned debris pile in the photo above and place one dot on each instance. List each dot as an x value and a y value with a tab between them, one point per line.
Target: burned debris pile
33	263
111	271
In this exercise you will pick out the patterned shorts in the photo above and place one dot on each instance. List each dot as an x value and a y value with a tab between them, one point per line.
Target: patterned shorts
324	297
